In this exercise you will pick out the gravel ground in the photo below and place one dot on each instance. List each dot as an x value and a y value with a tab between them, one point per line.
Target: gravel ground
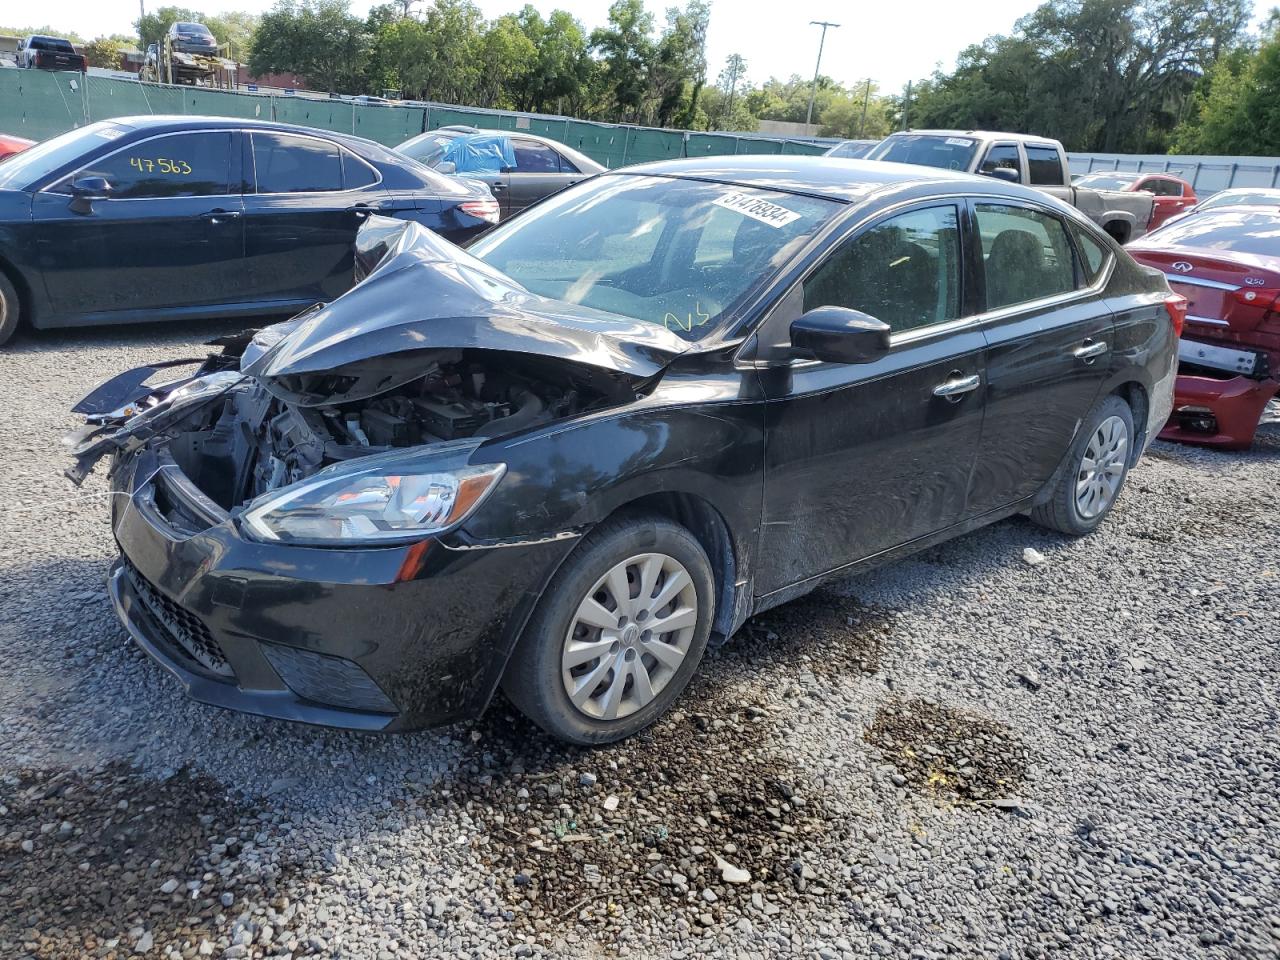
973	753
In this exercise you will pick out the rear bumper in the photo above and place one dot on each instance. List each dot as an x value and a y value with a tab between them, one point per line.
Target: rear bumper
1218	412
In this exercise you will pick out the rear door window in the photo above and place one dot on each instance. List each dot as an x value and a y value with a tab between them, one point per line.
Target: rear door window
1044	166
1092	250
356	173
534	157
1025	253
284	163
182	165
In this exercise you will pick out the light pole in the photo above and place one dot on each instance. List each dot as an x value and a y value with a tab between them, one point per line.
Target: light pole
813	87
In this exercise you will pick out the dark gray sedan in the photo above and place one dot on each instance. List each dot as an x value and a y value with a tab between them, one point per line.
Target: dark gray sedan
520	168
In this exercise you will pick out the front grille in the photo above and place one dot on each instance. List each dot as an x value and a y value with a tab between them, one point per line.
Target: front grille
182	625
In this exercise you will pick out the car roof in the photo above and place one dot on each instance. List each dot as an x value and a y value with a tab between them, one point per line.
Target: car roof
978	135
834	178
160	123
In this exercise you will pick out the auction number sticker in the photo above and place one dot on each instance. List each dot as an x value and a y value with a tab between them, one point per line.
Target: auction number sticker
959	142
757	209
178	168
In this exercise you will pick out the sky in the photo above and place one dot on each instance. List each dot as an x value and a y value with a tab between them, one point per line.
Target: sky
885	42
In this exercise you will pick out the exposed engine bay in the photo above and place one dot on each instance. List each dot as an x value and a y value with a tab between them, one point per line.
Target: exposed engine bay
252	441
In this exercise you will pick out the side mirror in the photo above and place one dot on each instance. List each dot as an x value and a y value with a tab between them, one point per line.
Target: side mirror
840	335
85	190
447	167
1007	174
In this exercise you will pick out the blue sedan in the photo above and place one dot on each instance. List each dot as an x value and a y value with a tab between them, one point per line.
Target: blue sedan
157	218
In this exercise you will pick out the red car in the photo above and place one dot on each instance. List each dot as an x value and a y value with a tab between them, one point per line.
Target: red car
10	145
1173	194
1226	262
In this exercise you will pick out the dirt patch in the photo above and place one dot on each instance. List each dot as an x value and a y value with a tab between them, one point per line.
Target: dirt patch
84	860
951	754
691	822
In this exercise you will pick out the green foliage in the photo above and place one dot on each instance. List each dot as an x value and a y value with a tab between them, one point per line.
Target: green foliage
45	31
1238	110
318	39
153	26
233	30
1107	75
103	52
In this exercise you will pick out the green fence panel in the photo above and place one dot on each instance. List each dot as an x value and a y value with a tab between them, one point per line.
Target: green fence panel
800	148
108	97
711	145
335	115
225	103
750	145
605	144
37	105
554	127
389	125
452	116
645	144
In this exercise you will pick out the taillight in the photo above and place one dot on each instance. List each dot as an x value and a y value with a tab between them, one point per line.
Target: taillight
1261	298
1176	304
486	210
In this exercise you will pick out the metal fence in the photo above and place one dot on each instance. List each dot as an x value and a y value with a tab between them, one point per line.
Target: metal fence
40	104
1207	174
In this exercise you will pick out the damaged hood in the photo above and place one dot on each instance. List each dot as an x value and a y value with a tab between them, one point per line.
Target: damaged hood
423	293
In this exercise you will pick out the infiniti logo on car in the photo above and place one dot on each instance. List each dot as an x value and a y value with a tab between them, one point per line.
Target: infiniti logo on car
1182	266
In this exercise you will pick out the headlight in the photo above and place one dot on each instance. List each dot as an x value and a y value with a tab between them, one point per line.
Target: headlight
394	500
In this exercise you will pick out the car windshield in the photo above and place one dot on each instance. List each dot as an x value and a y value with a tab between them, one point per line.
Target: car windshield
1107	181
194	30
427	148
1248	230
37	162
851	149
928	150
1265	198
682	253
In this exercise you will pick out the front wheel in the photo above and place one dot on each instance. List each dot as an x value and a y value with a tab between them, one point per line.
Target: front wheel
1095	473
617	634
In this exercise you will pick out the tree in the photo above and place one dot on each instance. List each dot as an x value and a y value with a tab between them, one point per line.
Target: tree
103	52
505	54
679	68
234	31
560	76
626	52
318	39
1097	74
1238	110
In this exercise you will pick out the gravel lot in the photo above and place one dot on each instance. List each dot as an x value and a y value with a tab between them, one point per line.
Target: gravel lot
967	754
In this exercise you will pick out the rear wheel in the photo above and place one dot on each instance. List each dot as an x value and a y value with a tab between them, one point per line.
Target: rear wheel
1095	473
8	309
618	633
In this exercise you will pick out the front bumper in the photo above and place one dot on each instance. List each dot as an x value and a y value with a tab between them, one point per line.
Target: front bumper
1216	412
386	639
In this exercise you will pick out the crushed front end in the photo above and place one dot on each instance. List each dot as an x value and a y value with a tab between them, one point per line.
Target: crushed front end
291	518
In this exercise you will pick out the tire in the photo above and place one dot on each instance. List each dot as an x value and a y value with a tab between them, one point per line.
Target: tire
555	654
1081	500
8	309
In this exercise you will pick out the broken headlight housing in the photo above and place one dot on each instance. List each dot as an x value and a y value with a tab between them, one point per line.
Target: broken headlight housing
374	501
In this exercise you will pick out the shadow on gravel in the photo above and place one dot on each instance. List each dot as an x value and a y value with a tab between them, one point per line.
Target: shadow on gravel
950	754
91	338
84	860
687	822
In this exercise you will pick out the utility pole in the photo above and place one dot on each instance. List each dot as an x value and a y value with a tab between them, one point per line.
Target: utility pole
813	87
733	85
862	127
906	108
142	12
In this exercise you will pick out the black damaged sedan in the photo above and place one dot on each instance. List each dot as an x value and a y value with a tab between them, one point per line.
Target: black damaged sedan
661	401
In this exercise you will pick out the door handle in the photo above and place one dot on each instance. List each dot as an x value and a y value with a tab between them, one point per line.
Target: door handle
497	187
956	385
1089	350
217	216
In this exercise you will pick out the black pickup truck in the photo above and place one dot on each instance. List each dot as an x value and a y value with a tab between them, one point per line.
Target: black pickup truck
38	52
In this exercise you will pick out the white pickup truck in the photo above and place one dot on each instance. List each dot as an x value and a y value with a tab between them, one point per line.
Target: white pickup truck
1018	158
